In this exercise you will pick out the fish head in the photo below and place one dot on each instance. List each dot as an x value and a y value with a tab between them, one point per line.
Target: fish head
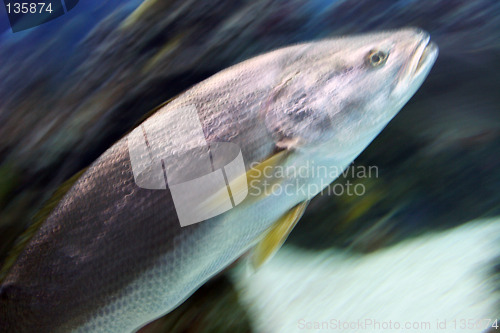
337	93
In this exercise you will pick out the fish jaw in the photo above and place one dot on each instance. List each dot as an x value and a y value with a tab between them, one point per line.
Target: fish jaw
416	68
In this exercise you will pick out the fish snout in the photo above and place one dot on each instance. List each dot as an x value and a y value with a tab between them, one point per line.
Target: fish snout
424	54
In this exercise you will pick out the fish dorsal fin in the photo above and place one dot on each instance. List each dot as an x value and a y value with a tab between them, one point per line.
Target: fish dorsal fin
39	218
276	235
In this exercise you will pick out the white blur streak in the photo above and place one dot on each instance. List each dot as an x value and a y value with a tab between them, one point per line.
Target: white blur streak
445	275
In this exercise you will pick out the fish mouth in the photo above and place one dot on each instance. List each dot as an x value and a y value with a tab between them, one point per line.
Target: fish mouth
424	56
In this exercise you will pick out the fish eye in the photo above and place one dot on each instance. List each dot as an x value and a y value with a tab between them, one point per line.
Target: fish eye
376	58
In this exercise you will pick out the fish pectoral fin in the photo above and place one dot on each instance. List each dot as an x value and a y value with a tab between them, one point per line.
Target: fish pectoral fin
277	235
258	176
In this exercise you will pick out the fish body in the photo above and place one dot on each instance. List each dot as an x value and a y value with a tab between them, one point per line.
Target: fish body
113	256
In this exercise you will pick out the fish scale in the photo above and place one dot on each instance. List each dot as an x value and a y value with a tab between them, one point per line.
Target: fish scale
112	256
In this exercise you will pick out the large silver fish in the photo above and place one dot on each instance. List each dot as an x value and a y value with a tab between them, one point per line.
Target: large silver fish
112	256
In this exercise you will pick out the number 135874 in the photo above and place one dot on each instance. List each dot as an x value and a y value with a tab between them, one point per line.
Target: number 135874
28	8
